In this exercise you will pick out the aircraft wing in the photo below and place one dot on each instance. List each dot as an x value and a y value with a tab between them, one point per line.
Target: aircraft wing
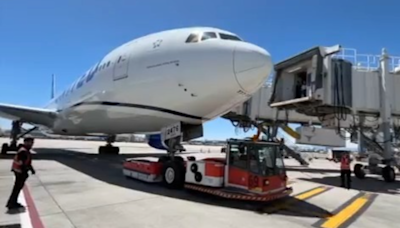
34	116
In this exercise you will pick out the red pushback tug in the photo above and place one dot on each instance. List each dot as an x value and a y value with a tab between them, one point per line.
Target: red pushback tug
251	170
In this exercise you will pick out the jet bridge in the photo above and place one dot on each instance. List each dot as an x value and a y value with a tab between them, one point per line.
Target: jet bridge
343	90
339	87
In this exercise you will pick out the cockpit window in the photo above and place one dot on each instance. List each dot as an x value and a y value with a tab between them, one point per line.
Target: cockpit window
193	38
208	35
229	37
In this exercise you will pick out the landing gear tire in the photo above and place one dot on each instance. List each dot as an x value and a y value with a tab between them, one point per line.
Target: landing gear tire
359	171
13	147
388	174
4	148
109	150
173	174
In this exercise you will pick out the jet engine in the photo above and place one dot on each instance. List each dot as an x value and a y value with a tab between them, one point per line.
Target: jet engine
155	141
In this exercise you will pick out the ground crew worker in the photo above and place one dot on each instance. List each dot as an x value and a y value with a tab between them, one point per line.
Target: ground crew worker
303	89
298	88
22	163
345	172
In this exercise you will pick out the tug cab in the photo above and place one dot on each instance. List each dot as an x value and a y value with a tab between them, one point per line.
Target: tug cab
255	166
251	170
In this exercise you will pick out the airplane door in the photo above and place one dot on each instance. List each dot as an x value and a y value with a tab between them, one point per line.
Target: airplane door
121	67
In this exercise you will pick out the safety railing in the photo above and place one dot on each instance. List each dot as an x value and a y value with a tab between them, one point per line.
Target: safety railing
368	62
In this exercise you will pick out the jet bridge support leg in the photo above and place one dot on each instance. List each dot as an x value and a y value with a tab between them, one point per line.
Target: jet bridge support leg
386	151
387	172
271	132
109	148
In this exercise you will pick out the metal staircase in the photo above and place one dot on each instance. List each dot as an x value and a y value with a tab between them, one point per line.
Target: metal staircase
372	145
295	155
290	151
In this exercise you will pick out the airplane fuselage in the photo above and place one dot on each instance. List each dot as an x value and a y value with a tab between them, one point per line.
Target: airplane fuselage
156	80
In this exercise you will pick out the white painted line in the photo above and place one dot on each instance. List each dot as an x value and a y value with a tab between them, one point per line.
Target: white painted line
24	216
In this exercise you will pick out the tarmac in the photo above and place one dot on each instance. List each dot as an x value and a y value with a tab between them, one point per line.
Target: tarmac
75	187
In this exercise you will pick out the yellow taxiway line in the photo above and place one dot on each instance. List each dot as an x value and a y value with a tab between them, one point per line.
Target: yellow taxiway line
348	212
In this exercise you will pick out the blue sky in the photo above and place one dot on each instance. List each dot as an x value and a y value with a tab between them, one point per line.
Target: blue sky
42	37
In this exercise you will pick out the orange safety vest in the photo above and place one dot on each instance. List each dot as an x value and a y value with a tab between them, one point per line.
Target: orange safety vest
345	163
16	165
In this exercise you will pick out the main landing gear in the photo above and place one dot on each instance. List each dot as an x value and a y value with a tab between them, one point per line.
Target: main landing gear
109	148
15	136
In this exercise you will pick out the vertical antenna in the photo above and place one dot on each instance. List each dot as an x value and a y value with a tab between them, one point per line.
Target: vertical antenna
53	86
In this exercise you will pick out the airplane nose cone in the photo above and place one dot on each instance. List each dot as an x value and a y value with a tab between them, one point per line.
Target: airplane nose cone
252	66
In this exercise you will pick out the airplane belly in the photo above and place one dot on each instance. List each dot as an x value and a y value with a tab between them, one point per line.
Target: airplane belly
143	106
113	120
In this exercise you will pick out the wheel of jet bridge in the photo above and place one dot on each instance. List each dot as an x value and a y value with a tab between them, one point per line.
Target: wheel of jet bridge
359	171
388	174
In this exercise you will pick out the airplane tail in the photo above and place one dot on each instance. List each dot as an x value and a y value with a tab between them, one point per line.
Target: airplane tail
53	86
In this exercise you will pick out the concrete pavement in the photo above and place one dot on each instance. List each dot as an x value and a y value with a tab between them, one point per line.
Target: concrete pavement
76	188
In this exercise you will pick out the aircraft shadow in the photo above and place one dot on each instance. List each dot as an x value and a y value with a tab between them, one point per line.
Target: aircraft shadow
109	169
370	184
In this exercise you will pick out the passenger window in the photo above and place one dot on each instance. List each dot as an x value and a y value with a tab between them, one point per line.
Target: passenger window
193	38
81	80
73	87
92	73
208	35
229	37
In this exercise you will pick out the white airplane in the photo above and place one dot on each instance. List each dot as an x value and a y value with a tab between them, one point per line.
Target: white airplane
187	76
